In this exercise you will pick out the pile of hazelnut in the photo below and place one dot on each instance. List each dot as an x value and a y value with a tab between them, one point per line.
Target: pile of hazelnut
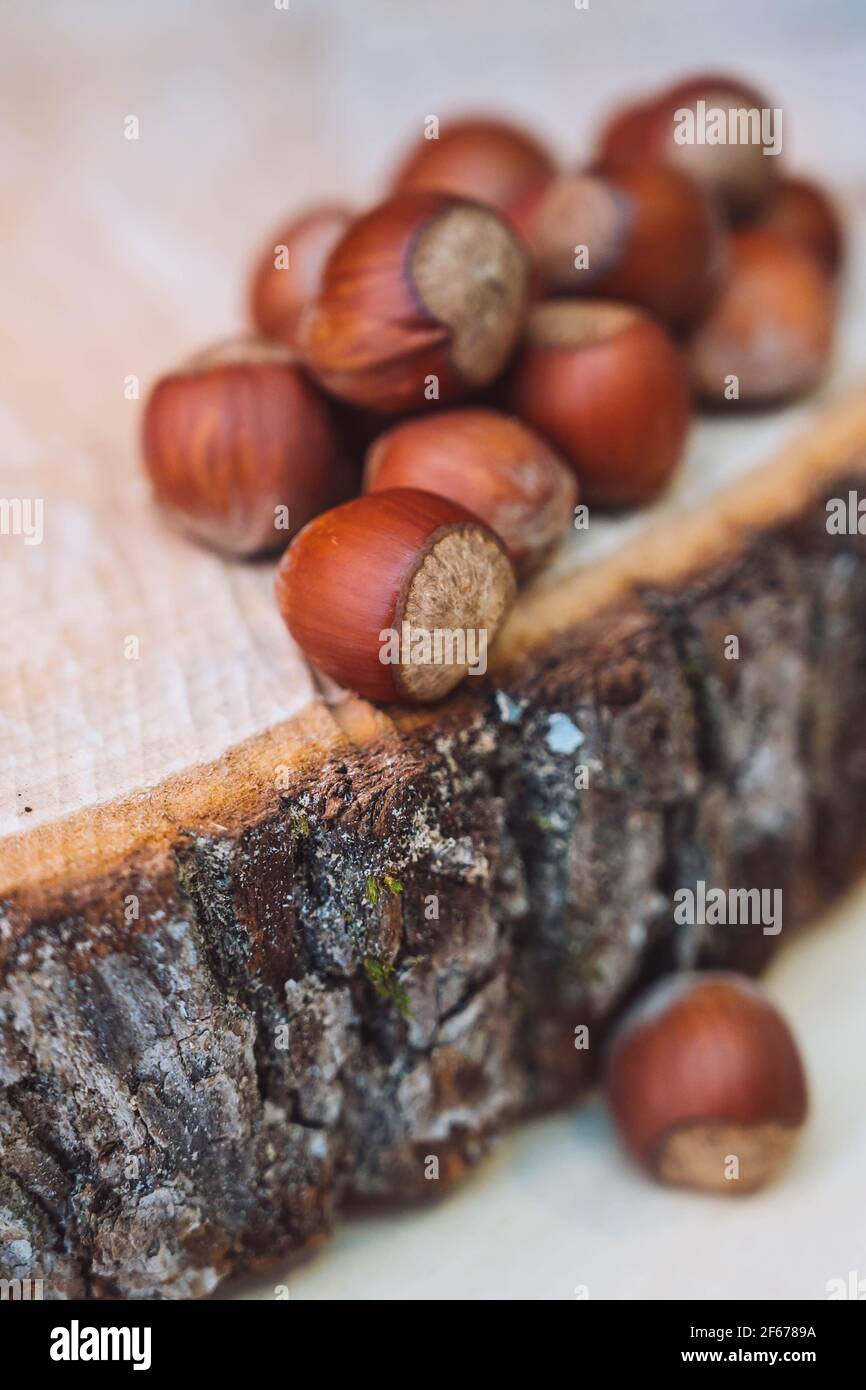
575	318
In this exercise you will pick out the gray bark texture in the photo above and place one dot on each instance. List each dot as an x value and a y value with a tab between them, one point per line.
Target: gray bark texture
392	967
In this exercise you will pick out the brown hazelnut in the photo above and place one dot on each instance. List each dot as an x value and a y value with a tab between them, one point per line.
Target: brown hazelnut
490	463
738	173
423	299
396	595
289	271
240	448
705	1083
609	388
771	326
481	158
803	212
642	233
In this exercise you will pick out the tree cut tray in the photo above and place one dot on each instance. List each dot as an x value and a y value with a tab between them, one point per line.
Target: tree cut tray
264	954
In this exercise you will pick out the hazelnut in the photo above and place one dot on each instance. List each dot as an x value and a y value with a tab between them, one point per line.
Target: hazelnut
480	158
233	437
738	174
701	1071
637	232
803	212
396	595
770	327
624	134
608	387
281	291
490	463
422	299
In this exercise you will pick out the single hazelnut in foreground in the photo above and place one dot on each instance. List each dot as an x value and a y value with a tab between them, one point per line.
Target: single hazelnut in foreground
482	158
803	212
423	299
712	127
768	334
490	463
289	272
241	449
607	386
705	1083
397	595
642	233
